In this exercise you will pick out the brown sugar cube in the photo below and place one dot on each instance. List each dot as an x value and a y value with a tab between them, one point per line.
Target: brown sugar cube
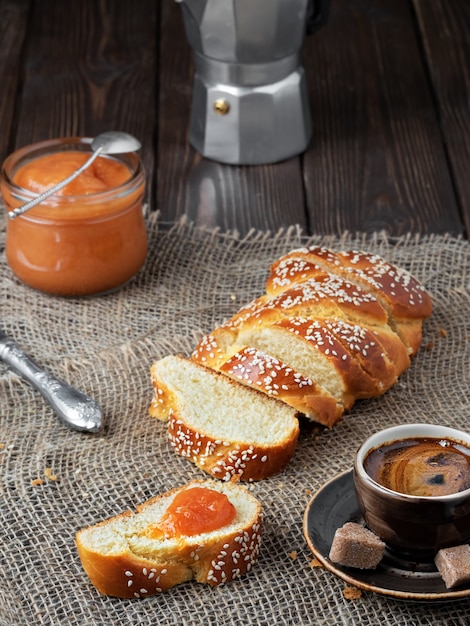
454	565
356	546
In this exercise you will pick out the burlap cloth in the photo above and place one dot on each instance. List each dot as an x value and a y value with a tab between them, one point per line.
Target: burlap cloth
192	281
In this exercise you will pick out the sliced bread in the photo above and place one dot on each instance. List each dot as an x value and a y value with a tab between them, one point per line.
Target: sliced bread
225	428
124	557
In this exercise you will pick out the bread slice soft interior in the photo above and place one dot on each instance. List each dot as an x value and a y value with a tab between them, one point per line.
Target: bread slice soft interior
121	559
224	427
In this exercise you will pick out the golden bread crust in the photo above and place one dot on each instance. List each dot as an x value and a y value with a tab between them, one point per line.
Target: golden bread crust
228	459
331	328
406	301
273	377
212	558
214	452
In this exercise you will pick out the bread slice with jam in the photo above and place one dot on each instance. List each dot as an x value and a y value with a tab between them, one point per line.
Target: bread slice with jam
207	531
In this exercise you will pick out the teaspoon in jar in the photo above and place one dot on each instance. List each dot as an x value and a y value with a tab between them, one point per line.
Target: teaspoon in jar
74	408
111	142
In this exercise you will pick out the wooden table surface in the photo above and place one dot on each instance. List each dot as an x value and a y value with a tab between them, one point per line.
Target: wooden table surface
389	88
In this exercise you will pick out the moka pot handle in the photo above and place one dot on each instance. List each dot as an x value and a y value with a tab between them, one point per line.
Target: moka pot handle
318	15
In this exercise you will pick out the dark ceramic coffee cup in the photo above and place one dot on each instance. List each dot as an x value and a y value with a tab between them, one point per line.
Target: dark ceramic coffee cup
417	526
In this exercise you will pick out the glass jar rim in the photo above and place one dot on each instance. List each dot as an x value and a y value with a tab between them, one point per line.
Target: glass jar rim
32	151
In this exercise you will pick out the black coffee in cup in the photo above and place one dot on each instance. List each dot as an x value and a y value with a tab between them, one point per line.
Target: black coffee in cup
420	466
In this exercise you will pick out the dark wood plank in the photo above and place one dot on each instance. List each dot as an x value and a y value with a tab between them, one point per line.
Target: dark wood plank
231	197
90	67
445	26
377	159
13	29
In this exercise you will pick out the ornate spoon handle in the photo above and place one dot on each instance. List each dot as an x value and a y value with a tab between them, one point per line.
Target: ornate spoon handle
74	408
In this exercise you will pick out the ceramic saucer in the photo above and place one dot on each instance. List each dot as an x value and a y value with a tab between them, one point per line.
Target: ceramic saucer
335	504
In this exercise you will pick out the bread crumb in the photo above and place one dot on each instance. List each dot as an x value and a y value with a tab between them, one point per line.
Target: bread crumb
308	492
352	593
293	555
48	474
233	297
37	481
443	332
315	563
2	445
430	345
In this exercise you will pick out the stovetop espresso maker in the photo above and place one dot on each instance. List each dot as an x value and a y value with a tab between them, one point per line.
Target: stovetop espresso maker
250	103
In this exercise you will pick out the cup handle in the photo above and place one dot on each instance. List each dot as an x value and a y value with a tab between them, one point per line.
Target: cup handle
318	15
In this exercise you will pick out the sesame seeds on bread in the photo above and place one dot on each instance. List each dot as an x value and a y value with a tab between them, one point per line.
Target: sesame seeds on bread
330	329
328	296
267	373
402	296
122	560
225	428
272	376
313	349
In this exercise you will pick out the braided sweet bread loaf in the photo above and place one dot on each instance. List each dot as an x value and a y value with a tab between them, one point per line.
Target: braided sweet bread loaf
332	328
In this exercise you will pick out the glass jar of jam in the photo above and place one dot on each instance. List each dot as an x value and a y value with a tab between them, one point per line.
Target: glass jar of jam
89	237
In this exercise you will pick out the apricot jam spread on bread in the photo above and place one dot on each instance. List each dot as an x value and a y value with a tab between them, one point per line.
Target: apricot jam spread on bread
192	512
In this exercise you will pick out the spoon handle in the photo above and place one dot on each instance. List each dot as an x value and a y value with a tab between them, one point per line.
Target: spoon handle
74	408
49	192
